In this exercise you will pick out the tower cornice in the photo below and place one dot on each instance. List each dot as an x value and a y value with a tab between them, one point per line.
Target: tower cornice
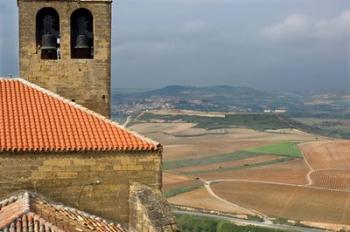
107	1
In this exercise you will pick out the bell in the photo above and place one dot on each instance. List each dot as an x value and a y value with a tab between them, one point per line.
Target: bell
49	42
82	42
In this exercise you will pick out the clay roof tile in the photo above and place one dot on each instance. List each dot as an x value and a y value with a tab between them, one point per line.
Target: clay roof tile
35	119
31	212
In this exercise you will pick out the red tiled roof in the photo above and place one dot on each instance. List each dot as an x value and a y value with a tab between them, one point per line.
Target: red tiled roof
26	211
35	119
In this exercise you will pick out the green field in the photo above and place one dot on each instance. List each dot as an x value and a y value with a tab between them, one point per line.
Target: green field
184	189
287	150
253	121
284	149
173	164
280	149
244	166
259	121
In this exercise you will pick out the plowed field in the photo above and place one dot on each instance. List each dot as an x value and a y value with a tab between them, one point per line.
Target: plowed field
291	172
328	154
299	203
332	179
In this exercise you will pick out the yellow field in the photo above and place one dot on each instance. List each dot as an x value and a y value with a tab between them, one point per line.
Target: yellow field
200	198
184	147
328	154
299	203
292	172
310	188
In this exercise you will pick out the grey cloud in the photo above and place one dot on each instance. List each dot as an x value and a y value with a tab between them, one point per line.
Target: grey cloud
300	26
164	39
208	42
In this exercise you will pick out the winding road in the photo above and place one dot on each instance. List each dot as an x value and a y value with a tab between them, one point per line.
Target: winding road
308	176
207	184
267	220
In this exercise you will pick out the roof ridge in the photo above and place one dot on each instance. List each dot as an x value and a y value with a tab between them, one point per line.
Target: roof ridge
29	196
36	217
6	200
72	209
6	203
80	107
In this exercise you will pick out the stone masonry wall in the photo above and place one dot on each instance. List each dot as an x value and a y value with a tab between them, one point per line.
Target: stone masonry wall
149	211
94	182
87	81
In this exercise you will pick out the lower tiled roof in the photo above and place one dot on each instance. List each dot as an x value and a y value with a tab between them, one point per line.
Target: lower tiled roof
27	211
33	119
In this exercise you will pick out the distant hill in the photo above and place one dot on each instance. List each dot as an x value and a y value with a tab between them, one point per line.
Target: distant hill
219	90
226	98
212	98
191	92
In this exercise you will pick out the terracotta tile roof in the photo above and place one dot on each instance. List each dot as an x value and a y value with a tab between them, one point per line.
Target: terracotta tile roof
27	211
35	119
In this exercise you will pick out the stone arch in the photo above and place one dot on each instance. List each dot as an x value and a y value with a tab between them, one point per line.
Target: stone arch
48	32
82	34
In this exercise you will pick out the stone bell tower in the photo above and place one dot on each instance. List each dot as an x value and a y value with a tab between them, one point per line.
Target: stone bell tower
65	46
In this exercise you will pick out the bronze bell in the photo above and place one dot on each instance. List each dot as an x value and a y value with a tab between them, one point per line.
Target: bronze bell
49	42
82	42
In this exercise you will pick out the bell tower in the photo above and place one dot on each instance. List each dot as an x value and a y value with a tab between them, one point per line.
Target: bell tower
65	46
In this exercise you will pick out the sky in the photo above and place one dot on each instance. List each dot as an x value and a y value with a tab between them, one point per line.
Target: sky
297	45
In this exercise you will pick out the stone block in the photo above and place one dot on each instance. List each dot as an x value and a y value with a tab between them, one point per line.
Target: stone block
86	180
53	74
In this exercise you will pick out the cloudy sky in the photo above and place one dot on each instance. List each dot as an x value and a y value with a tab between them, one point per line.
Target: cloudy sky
266	44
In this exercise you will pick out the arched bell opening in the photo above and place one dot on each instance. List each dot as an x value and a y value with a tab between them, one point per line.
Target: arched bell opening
48	33
82	37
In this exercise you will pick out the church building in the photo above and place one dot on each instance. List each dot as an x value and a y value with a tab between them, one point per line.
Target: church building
64	165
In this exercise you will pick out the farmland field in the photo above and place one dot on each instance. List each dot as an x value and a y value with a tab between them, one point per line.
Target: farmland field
208	160
284	148
171	178
332	179
299	203
244	162
291	172
328	154
234	139
277	171
253	121
184	187
200	198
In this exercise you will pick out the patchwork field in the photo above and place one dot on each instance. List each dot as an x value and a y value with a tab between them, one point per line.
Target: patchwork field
284	148
220	166
200	198
298	203
291	172
209	143
171	178
333	179
283	173
328	154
